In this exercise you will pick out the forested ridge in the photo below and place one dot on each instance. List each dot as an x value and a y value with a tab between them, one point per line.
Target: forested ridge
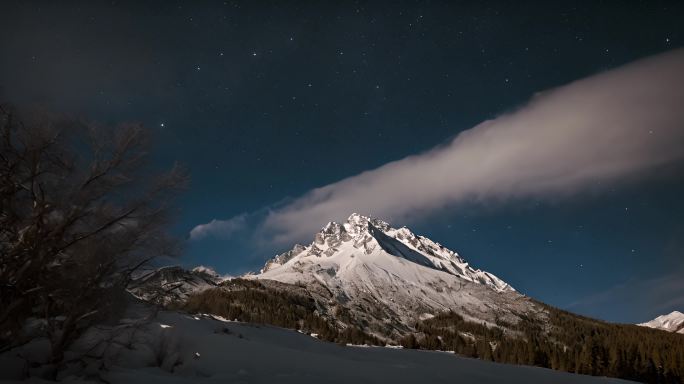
250	301
565	341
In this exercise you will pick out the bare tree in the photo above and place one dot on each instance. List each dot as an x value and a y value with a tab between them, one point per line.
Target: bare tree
79	213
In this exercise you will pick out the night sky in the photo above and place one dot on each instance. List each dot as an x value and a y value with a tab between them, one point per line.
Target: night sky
265	101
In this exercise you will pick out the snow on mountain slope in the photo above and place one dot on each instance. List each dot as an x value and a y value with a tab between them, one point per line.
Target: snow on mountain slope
673	322
376	236
168	284
370	267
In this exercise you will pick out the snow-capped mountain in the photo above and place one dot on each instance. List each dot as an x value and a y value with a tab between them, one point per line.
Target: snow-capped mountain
381	273
169	284
673	322
363	282
374	237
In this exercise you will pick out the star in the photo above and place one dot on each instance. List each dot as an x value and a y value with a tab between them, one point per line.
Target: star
197	68
253	53
667	40
161	125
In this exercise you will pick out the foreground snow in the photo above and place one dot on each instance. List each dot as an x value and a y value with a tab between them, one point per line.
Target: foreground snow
236	352
180	348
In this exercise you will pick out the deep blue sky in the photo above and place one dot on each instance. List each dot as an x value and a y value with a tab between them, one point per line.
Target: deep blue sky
264	101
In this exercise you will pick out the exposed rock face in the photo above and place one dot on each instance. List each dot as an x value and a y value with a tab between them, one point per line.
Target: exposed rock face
169	284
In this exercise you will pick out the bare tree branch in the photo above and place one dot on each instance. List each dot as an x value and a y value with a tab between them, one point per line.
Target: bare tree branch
79	214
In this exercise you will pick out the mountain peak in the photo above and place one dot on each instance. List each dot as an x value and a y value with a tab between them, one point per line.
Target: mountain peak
672	322
340	243
371	268
356	217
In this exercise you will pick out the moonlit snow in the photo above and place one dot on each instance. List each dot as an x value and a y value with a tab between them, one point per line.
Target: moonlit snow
204	349
672	322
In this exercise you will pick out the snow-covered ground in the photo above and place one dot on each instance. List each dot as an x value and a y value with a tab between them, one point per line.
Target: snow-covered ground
180	348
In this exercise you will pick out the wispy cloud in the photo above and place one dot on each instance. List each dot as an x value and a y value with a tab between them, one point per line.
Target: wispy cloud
219	228
212	272
617	125
614	125
638	299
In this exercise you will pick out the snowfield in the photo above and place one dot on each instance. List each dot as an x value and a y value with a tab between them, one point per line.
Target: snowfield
173	347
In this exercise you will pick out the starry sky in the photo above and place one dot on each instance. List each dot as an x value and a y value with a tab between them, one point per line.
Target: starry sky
265	101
